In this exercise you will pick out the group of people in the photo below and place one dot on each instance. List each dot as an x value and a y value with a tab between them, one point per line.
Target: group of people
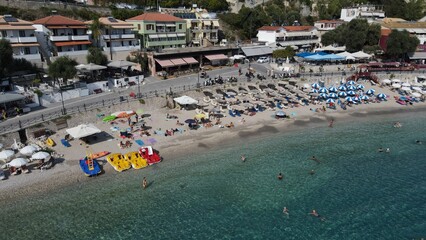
127	144
313	213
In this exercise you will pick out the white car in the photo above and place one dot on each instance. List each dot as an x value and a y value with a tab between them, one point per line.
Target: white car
263	60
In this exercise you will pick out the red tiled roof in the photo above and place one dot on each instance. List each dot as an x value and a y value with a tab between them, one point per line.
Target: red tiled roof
158	17
385	31
297	28
57	20
270	28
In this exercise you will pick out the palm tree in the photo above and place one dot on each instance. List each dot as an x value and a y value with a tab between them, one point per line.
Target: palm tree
97	29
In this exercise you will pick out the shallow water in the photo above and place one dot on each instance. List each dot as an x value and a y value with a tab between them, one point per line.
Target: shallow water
361	193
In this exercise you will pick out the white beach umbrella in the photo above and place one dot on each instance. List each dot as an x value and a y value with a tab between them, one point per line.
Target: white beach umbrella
416	94
417	89
1	146
40	155
6	154
406	84
18	162
28	150
396	80
396	85
386	81
407	89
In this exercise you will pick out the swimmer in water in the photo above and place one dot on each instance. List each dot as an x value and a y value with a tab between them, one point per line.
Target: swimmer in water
315	214
312	172
243	158
315	159
380	150
285	211
387	150
280	176
418	142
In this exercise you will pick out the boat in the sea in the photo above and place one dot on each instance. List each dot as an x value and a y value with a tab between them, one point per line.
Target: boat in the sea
118	162
90	166
136	160
150	155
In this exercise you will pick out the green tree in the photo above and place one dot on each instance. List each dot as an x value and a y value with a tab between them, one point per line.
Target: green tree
414	10
283	53
373	34
356	34
400	43
6	56
96	28
96	56
63	67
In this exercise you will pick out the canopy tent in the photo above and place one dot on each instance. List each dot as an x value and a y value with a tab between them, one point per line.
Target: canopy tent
165	63
216	57
89	67
306	54
185	100
257	51
190	60
332	48
361	55
83	130
121	64
319	57
10	97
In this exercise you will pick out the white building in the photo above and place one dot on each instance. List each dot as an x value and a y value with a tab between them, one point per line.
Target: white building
118	34
21	35
288	35
60	36
369	12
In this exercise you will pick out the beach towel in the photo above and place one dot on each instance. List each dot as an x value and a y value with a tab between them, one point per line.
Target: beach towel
114	129
140	142
152	140
65	143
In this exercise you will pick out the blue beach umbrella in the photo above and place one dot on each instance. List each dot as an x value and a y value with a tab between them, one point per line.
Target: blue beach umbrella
360	86
356	99
323	95
313	90
332	89
370	92
349	99
365	97
323	90
280	114
315	85
332	95
381	95
342	88
351	82
342	94
351	88
330	100
351	93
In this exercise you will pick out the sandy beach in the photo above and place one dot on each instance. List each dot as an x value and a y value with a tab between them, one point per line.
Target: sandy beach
67	171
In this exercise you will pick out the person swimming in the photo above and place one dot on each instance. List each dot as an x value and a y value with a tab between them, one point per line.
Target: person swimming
418	142
243	158
280	176
312	172
315	214
285	211
388	150
380	150
315	159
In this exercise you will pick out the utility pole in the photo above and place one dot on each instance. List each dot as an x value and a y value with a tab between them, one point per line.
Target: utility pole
110	42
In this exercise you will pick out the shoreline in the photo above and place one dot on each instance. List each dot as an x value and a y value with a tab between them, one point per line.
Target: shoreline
67	172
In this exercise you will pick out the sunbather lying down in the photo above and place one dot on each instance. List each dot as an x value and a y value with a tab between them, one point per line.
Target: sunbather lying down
231	125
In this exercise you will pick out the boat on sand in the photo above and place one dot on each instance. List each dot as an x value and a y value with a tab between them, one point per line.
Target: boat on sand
150	155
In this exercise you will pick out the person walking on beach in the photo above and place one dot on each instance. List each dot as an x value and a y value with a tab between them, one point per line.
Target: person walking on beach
144	183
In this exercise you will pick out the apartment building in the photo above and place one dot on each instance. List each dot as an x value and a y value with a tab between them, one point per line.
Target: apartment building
298	36
21	35
159	31
369	12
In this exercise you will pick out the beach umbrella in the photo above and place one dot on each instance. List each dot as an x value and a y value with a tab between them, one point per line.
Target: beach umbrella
356	99
351	88
280	114
332	95
418	89
396	85
330	100
360	86
416	94
370	92
349	99
342	88
365	97
139	111
351	82
381	95
323	90
231	94
323	95
28	150
247	105
386	81
200	116
406	84
6	154
1	146
315	85
342	94
18	162
407	89
40	155
313	90
396	80
332	89
351	93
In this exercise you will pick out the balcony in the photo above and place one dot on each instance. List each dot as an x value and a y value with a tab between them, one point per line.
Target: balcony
122	48
298	42
80	37
127	36
112	36
28	56
27	39
60	38
72	53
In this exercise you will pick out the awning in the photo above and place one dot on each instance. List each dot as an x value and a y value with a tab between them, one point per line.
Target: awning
122	26
216	57
181	34
417	55
153	36
10	97
256	51
72	43
65	27
83	130
170	25
216	23
162	35
160	24
178	61
184	100
171	35
25	45
190	60
165	63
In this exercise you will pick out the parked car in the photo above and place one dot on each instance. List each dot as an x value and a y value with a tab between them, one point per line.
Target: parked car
263	60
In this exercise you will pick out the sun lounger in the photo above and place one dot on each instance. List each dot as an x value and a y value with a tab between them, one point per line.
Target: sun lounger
237	113
279	106
65	143
231	113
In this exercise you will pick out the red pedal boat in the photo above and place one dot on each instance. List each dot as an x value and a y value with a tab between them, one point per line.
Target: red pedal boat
151	156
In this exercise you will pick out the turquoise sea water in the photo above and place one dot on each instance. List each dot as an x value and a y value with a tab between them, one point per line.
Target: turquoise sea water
361	193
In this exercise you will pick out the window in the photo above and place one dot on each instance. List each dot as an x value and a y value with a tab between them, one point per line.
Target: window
139	27
3	33
180	26
21	33
27	50
150	27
